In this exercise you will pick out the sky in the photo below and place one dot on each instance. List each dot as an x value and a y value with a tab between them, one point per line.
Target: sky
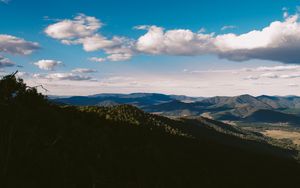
195	48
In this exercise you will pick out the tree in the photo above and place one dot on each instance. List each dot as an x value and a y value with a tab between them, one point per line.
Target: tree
13	90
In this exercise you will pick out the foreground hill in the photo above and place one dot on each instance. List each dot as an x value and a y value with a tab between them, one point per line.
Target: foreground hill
46	145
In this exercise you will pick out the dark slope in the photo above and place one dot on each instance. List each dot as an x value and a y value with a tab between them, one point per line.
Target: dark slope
125	147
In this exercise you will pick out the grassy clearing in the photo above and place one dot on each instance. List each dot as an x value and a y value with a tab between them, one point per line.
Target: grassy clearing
282	134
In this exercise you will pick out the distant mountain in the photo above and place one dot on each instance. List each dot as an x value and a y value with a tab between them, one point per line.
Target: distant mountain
137	99
271	116
281	102
238	108
236	102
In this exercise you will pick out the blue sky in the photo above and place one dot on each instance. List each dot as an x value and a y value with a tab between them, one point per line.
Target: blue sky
152	59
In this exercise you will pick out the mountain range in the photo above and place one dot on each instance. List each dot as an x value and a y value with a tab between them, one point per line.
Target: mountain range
243	108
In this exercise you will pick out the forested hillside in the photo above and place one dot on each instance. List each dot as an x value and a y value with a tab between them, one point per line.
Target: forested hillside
47	145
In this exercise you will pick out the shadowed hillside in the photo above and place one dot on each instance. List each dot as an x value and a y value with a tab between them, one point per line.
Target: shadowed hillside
46	145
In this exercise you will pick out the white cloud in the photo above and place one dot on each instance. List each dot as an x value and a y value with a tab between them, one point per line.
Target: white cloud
80	26
280	41
251	77
174	42
279	68
23	74
119	57
83	70
97	59
62	76
287	72
226	27
46	64
14	45
83	30
5	62
290	76
269	75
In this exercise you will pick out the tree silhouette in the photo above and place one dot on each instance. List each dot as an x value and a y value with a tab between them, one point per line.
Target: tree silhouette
15	91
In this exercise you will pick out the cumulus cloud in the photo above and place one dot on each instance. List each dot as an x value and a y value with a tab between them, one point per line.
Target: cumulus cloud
5	62
46	64
280	41
62	76
83	70
14	45
80	26
83	30
174	42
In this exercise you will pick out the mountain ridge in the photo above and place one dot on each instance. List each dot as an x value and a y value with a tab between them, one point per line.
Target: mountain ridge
236	108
